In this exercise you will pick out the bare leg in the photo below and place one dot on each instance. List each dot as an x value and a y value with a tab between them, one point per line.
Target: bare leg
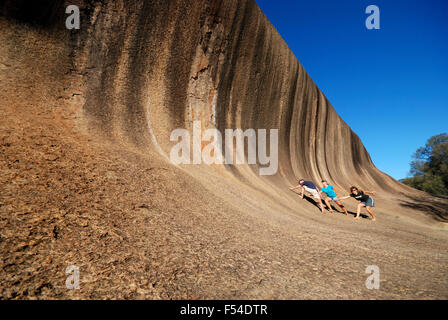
328	203
369	210
321	206
358	211
339	203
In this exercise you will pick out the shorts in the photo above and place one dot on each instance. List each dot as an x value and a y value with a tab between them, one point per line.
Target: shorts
369	203
313	192
334	198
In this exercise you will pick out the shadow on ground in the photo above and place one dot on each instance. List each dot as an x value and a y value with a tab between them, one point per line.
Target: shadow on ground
311	200
436	207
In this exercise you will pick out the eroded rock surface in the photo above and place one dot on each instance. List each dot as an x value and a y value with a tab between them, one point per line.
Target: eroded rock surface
84	140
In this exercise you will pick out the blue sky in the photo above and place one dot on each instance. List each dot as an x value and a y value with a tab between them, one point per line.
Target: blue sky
389	85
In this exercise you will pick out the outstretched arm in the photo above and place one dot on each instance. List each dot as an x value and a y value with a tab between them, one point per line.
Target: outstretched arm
346	197
303	192
297	187
372	193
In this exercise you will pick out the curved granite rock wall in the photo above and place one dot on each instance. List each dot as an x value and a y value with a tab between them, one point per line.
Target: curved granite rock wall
149	67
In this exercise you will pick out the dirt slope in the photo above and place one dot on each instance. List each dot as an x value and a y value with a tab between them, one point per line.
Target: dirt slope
85	179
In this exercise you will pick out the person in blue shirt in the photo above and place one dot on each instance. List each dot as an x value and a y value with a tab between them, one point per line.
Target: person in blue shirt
331	195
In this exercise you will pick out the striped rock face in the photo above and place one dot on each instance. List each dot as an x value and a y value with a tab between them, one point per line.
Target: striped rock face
88	116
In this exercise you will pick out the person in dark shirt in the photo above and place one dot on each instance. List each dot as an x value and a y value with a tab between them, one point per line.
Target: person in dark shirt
312	189
365	201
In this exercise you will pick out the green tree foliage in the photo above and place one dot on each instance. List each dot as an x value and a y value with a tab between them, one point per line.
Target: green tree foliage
429	168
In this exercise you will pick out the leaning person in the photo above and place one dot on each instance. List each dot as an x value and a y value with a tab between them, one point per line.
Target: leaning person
331	196
365	201
312	189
